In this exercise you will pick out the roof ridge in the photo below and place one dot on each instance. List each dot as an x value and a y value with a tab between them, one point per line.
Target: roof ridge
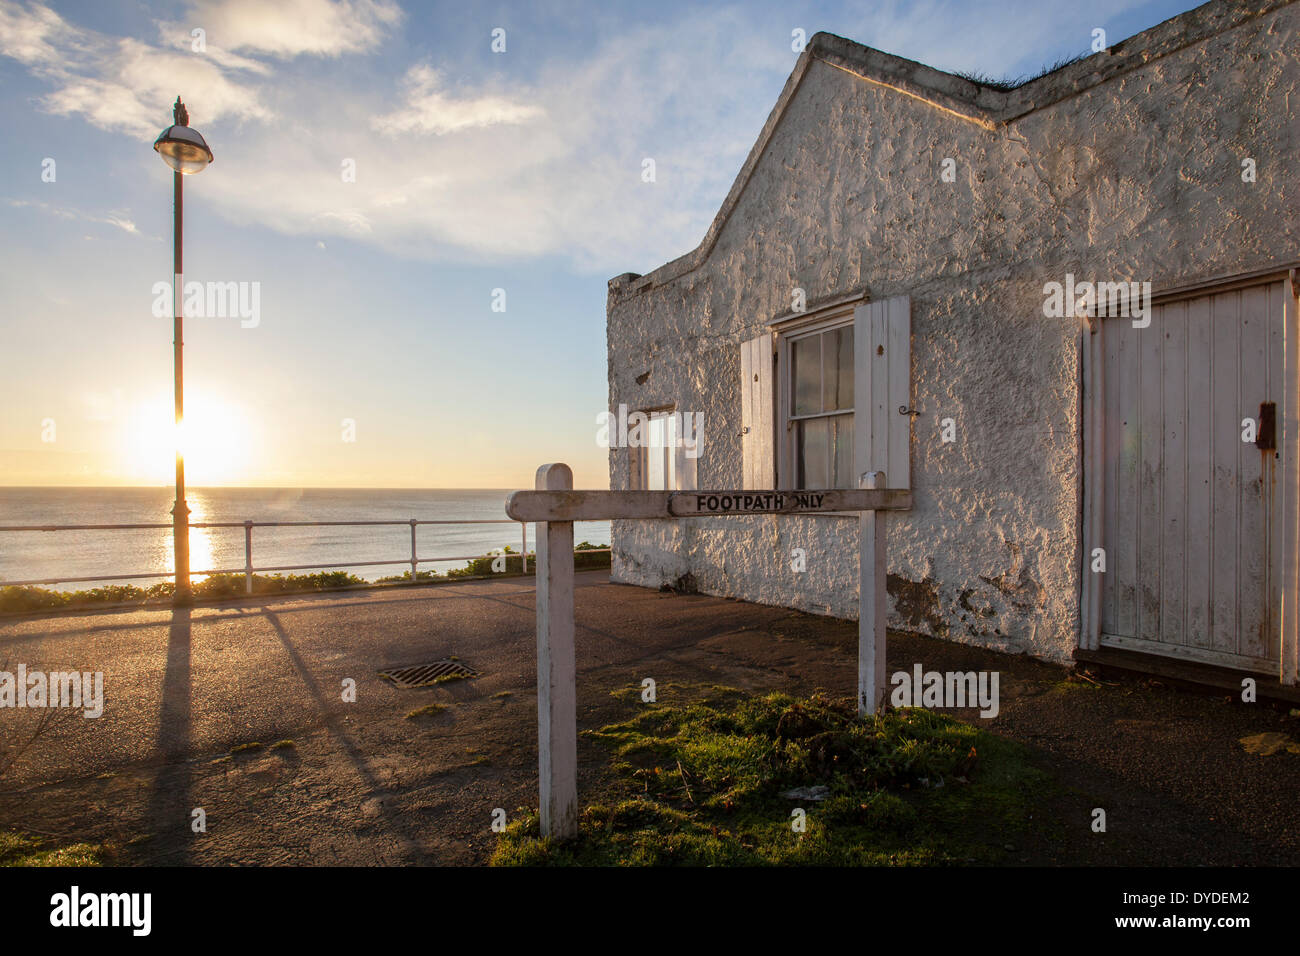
983	105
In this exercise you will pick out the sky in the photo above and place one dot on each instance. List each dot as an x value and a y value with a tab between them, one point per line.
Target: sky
422	226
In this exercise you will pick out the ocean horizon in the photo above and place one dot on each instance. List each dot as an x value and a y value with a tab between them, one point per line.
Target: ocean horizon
38	555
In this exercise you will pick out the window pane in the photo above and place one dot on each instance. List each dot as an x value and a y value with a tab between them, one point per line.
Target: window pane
813	436
655	480
837	373
844	397
806	364
672	425
842	452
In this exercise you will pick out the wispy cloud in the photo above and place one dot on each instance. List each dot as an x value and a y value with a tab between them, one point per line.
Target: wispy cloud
532	158
548	165
289	28
430	109
112	218
116	83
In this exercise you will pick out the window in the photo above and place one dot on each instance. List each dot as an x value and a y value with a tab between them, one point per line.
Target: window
800	424
659	474
819	420
665	457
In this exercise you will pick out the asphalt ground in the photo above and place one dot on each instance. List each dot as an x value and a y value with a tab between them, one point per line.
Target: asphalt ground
373	782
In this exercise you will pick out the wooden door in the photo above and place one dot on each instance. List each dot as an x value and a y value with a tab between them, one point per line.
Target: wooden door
1191	514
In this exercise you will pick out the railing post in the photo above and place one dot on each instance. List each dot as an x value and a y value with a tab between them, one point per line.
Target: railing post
523	547
873	602
414	563
248	557
557	723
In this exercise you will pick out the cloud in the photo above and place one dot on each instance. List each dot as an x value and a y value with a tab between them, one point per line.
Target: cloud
995	40
536	157
34	36
113	218
118	83
289	28
122	222
547	164
430	110
122	83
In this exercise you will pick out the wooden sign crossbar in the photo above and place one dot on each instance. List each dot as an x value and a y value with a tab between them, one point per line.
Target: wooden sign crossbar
604	505
554	505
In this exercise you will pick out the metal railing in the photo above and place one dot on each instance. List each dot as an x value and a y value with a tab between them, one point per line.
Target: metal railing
248	570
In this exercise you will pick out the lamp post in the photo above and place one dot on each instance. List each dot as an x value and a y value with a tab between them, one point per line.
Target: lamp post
184	150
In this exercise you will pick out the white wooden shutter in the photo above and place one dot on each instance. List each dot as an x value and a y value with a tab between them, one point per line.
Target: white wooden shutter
757	417
882	384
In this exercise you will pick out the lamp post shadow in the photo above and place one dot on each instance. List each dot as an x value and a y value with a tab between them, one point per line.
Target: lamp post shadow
168	816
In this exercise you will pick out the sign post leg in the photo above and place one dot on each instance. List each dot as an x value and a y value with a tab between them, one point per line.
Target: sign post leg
873	603
557	723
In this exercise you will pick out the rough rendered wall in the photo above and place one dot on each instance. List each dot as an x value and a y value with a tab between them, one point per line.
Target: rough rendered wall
1137	178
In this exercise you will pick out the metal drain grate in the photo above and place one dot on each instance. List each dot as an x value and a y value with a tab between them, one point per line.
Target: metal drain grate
422	675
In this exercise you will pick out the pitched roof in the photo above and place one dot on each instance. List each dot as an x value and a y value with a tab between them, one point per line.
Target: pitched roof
977	103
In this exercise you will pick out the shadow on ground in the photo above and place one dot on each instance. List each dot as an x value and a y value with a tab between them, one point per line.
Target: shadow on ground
242	712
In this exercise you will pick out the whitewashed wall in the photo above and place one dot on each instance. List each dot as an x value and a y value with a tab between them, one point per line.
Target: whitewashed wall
1134	177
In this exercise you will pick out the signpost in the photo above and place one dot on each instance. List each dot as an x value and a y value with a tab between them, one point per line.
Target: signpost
555	506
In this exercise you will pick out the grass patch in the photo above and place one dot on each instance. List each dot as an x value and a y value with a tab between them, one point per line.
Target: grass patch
1071	685
219	587
215	587
1006	84
428	710
284	745
245	748
673	691
426	577
513	564
701	784
17	849
451	678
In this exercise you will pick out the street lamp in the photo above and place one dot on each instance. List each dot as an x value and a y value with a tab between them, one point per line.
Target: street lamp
184	150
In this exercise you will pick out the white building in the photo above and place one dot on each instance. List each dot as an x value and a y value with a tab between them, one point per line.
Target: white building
876	293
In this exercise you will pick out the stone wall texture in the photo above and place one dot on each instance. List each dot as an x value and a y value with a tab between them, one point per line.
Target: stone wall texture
1126	165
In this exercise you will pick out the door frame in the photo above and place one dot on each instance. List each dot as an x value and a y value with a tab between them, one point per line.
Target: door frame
1092	440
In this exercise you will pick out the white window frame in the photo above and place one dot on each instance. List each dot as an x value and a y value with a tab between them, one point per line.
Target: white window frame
788	330
639	456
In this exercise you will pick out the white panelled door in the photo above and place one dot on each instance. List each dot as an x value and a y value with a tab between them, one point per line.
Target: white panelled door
1191	513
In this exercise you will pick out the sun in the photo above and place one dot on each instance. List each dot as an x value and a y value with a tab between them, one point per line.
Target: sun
216	439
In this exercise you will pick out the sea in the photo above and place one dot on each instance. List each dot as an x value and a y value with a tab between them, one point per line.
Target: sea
41	555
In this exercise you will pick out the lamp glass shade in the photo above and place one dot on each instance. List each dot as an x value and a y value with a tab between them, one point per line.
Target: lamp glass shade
183	149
